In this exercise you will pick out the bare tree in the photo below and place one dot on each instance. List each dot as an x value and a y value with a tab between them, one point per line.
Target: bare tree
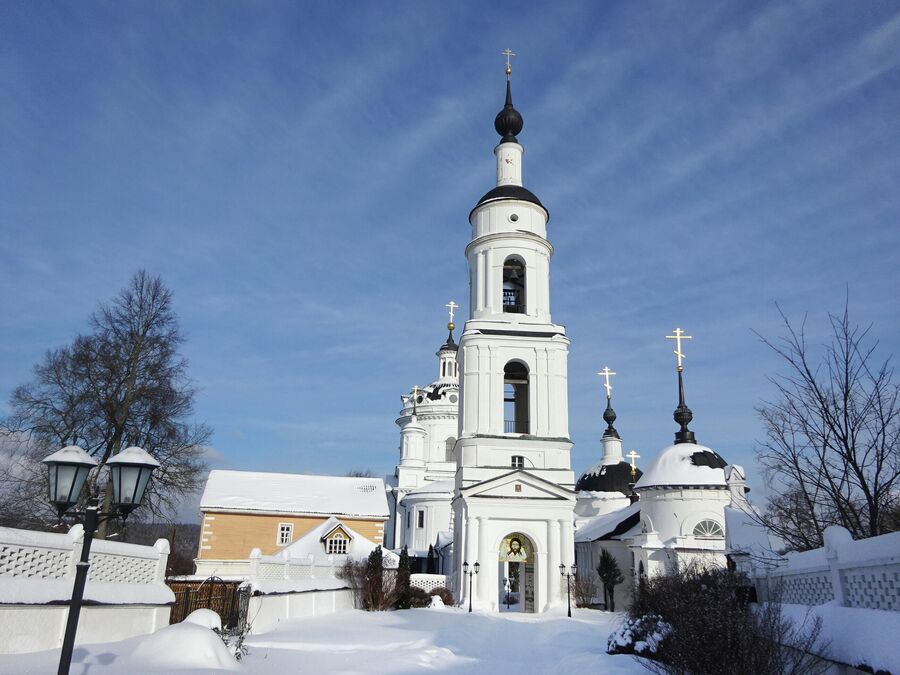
123	383
832	445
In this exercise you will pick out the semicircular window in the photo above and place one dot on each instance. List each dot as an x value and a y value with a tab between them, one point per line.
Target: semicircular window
708	529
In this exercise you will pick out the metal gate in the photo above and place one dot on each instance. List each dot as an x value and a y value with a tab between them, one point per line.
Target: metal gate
226	598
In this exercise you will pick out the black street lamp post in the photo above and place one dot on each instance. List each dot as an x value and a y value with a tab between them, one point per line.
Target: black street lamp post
568	575
67	472
469	574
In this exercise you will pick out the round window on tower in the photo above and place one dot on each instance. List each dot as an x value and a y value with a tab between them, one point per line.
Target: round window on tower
453	398
513	217
420	399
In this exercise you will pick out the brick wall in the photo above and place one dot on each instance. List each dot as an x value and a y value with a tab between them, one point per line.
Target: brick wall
231	536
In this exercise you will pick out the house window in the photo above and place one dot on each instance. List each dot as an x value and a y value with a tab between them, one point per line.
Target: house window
518	462
515	398
336	544
708	529
420	519
285	533
408	516
514	286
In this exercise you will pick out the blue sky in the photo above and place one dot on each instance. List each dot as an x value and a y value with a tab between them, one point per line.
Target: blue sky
300	174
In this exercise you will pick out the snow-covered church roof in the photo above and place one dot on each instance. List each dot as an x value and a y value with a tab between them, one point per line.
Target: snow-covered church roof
608	525
294	493
685	464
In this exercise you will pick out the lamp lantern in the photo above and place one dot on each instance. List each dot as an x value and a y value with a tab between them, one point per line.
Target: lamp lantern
130	473
67	471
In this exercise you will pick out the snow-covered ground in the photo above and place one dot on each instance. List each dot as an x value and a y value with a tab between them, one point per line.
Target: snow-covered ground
442	640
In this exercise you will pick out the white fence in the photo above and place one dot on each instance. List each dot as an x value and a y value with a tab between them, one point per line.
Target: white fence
125	595
863	573
428	582
290	588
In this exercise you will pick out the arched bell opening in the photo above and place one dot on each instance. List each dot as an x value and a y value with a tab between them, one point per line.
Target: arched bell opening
514	286
515	398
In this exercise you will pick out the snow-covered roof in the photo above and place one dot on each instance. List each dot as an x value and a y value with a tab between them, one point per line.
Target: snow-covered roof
685	464
310	545
600	526
294	493
437	486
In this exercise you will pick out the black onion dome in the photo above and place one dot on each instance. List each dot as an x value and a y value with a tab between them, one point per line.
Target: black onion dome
508	122
608	478
609	416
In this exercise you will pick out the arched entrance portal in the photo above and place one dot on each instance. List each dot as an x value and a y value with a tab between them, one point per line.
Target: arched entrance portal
516	573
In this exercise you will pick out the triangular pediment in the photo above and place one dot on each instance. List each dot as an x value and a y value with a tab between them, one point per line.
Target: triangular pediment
518	484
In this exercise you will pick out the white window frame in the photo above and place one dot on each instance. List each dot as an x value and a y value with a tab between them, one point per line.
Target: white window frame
712	529
520	464
284	534
338	540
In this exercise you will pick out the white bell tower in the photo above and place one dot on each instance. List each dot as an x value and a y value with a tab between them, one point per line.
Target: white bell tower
514	478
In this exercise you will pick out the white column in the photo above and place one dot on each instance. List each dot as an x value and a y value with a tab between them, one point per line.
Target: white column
471	550
487	569
488	288
553	560
479	281
567	543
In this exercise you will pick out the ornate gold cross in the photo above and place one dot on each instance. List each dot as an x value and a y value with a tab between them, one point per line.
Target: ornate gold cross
633	456
678	337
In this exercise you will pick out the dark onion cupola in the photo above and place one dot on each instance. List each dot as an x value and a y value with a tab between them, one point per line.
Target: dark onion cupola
508	122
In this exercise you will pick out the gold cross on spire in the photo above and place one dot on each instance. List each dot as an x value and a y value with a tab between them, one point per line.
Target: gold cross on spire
415	396
451	306
678	337
633	456
606	373
508	53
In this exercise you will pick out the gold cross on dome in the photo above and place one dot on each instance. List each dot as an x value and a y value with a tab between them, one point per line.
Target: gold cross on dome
606	373
415	395
452	306
508	53
678	337
633	456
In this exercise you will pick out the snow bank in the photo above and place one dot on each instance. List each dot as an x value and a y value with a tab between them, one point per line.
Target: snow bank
183	646
206	618
37	591
856	636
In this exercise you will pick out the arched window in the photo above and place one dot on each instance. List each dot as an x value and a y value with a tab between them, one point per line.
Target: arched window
514	286
336	543
708	529
515	398
449	456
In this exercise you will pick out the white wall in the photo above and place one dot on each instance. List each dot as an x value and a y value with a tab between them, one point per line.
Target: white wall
265	612
126	589
32	628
